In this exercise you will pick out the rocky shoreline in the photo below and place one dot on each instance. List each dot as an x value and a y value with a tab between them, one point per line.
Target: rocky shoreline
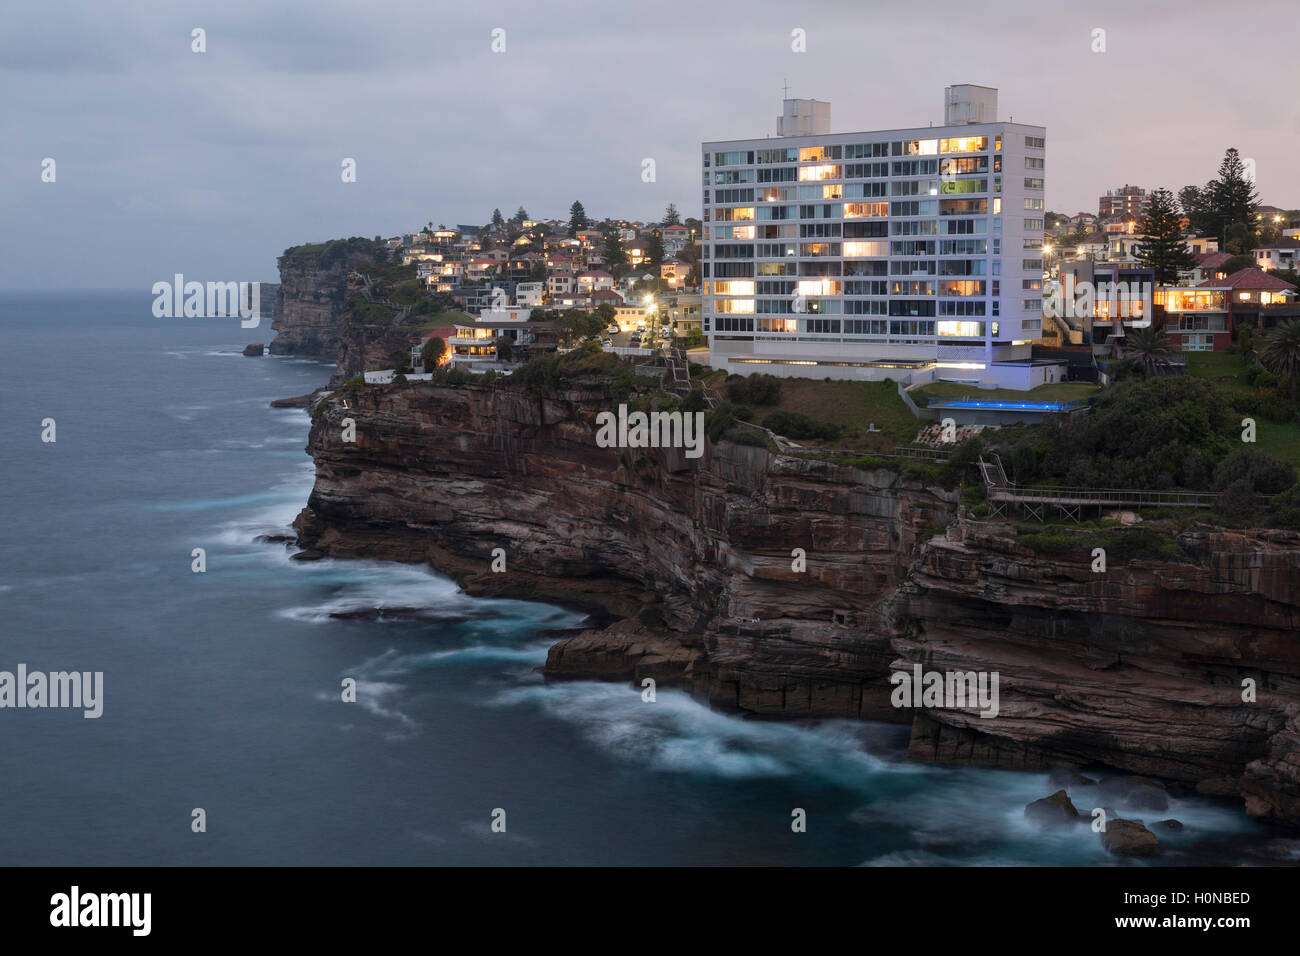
1139	670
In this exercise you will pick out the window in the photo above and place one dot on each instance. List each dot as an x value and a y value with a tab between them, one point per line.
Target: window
1033	204
815	173
1033	183
1033	162
1033	224
1036	142
964	144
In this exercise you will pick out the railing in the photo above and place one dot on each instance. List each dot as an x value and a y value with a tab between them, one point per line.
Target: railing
1000	489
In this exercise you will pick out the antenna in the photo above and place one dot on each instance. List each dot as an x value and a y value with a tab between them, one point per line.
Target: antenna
785	89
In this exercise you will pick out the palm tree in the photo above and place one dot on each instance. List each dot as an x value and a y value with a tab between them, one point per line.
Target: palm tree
1280	352
1150	347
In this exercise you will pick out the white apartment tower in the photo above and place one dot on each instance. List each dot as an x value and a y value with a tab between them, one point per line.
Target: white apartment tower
912	254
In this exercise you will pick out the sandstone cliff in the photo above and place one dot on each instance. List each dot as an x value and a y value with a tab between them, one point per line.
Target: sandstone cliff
311	308
1139	668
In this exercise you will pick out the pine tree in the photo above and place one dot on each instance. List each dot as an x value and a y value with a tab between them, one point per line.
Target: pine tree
497	219
520	215
654	248
1232	197
577	218
615	255
1163	248
671	218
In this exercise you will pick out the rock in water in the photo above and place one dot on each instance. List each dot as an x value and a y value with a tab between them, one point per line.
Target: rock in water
255	349
1056	810
1129	838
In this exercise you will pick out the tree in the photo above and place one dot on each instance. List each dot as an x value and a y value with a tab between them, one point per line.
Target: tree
497	220
505	349
1163	248
577	218
520	215
671	218
1231	198
615	255
1149	347
432	352
1280	352
655	249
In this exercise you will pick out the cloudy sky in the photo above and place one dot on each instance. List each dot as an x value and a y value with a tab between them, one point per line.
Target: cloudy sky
211	164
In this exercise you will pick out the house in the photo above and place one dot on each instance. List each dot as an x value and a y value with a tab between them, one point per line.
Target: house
480	267
519	268
1195	319
599	297
1283	254
1092	246
1251	295
560	283
1208	265
675	239
636	250
1202	244
675	272
595	279
417	350
475	342
529	293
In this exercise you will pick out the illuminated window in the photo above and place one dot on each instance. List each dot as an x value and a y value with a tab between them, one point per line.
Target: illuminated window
865	210
853	249
964	330
819	287
816	173
964	144
736	287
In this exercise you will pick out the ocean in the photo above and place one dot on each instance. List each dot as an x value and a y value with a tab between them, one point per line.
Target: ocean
222	689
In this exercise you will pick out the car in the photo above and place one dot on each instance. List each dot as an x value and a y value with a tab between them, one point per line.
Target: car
666	333
606	343
613	330
636	340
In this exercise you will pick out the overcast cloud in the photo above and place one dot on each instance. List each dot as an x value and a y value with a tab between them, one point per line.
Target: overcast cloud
211	164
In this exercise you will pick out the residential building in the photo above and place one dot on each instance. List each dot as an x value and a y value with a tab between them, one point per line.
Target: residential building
560	283
529	293
675	272
912	254
675	239
1126	202
594	279
1283	254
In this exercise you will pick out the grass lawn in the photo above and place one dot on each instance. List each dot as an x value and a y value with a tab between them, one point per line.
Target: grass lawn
1228	371
1054	392
854	405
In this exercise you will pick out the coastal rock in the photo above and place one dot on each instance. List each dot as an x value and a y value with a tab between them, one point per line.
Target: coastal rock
1170	824
255	349
1138	793
298	401
1139	670
310	307
1129	838
1056	810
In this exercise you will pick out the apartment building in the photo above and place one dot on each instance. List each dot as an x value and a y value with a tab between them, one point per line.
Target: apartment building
912	254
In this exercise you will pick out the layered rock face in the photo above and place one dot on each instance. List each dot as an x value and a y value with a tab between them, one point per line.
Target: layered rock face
706	546
310	308
1142	667
1138	668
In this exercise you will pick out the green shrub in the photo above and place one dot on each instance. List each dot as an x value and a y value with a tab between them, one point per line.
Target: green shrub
799	426
754	389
